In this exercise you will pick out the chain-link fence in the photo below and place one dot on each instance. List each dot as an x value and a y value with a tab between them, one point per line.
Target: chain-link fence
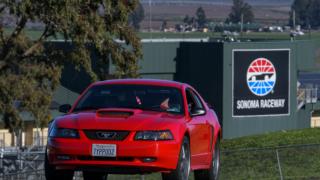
286	162
22	164
28	175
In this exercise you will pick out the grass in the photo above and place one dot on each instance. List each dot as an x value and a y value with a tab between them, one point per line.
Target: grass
275	139
240	160
255	157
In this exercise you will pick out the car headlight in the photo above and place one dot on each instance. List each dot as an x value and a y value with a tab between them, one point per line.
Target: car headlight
154	135
64	133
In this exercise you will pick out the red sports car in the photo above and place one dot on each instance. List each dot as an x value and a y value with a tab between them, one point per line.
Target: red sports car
135	126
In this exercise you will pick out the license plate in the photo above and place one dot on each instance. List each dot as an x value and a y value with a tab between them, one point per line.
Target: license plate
104	150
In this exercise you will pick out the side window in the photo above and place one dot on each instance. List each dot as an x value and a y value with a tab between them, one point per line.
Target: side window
193	101
197	100
190	101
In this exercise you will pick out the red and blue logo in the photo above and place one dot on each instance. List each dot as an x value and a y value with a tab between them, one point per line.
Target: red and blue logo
261	77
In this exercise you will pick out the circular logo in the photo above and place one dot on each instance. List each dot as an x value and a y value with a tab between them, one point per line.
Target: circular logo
261	77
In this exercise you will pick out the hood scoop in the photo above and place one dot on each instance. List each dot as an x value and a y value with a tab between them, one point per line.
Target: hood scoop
115	113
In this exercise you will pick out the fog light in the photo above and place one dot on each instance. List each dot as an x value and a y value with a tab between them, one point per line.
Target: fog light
63	157
148	159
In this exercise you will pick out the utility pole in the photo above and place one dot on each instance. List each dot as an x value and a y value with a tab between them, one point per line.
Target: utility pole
150	18
241	30
309	29
294	19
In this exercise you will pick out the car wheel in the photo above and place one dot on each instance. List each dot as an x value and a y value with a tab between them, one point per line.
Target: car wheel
183	167
52	174
213	172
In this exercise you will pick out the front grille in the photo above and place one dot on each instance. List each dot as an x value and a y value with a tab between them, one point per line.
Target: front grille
90	158
106	135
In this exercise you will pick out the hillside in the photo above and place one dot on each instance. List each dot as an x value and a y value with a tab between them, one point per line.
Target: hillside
226	2
173	11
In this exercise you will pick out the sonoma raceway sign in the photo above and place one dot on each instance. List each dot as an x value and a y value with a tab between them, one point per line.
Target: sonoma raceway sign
261	82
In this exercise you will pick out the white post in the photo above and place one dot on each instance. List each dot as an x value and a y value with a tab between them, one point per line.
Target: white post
279	165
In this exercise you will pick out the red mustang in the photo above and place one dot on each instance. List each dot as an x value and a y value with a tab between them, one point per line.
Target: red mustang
135	127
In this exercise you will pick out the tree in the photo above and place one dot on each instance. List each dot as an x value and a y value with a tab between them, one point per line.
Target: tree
302	11
315	22
186	19
307	13
137	16
30	72
191	21
239	9
164	25
201	17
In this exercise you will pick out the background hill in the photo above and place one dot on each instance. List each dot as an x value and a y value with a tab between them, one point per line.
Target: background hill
267	12
253	2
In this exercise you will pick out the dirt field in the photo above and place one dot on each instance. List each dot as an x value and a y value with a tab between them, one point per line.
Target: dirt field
174	13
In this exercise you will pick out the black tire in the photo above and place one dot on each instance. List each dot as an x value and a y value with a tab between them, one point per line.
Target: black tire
213	172
183	167
88	175
52	174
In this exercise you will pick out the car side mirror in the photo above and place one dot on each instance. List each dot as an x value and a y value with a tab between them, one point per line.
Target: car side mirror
64	108
197	112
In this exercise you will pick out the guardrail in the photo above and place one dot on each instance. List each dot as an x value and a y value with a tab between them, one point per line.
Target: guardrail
306	95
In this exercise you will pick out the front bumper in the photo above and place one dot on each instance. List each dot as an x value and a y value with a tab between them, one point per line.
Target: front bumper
132	156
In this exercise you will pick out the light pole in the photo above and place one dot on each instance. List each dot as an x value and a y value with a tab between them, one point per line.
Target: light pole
241	28
294	20
150	18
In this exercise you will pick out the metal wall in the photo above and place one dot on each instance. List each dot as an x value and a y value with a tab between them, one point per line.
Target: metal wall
301	58
158	60
201	66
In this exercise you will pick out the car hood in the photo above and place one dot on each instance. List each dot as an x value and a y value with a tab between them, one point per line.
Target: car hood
119	119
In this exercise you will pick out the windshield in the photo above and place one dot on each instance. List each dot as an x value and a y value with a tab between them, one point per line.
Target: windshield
145	97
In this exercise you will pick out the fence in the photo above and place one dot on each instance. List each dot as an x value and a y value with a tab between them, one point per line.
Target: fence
29	175
306	95
286	162
17	164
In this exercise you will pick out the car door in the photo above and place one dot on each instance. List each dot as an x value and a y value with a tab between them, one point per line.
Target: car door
199	130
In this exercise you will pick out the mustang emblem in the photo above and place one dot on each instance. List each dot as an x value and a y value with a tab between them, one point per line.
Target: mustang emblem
106	135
